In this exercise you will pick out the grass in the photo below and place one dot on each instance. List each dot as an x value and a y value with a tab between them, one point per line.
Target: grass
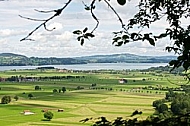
78	104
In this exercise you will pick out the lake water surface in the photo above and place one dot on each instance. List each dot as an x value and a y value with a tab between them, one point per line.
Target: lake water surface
92	66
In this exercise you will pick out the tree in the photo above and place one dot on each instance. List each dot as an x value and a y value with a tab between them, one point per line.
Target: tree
16	97
37	88
48	115
59	90
170	95
150	11
162	108
63	89
157	103
55	91
30	96
5	99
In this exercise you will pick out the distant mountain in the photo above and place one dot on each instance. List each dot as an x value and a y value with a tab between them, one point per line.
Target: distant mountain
10	59
11	55
126	58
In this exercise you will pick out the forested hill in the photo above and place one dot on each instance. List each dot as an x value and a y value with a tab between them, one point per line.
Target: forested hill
10	59
126	58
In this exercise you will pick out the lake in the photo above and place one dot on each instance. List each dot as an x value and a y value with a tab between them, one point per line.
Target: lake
92	66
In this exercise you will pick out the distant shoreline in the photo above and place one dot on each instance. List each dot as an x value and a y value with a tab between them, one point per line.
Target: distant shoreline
91	66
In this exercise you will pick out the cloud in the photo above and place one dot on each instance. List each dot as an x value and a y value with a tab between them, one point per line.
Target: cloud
61	42
66	36
5	32
10	32
55	25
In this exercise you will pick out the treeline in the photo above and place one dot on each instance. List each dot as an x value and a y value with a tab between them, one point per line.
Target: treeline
21	78
9	60
167	68
174	104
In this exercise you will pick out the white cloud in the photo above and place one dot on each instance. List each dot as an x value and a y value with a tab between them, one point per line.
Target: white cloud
55	25
11	32
66	36
61	42
5	32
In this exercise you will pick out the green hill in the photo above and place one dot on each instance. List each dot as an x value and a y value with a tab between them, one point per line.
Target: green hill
10	59
126	58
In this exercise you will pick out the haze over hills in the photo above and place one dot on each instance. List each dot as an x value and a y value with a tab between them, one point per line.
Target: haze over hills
10	59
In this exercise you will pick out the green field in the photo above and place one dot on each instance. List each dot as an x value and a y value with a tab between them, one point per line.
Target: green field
82	103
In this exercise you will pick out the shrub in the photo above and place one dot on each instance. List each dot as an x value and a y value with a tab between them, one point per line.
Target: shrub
55	91
37	88
30	96
16	97
6	99
48	115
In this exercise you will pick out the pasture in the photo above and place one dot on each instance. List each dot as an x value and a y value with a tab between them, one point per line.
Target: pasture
108	98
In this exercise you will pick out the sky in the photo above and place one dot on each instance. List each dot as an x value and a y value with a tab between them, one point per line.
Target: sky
61	42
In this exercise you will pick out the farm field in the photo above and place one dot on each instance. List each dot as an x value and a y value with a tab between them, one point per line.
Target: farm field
87	95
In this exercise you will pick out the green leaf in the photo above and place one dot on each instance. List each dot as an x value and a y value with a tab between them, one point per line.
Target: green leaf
90	35
124	37
85	36
146	36
126	41
133	35
82	42
119	43
161	35
85	30
151	41
172	62
78	32
87	8
78	38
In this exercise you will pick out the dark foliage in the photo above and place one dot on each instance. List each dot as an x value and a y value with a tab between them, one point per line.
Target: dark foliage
63	89
5	99
30	96
48	115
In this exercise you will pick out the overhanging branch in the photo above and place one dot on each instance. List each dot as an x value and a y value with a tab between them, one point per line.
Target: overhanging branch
43	24
121	21
93	15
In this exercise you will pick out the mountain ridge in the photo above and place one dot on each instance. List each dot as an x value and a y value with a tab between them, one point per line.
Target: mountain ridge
11	59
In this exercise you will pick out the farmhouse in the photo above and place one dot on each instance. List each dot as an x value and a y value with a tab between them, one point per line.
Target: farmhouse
27	112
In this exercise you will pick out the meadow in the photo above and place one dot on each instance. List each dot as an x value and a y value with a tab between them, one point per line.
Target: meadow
107	98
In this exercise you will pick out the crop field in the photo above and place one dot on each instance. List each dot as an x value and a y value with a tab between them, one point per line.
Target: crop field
82	99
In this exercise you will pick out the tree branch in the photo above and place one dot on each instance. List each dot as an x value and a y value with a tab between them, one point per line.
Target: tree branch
44	11
93	15
57	13
121	21
32	19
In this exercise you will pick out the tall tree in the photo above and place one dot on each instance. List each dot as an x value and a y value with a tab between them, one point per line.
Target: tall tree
63	89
